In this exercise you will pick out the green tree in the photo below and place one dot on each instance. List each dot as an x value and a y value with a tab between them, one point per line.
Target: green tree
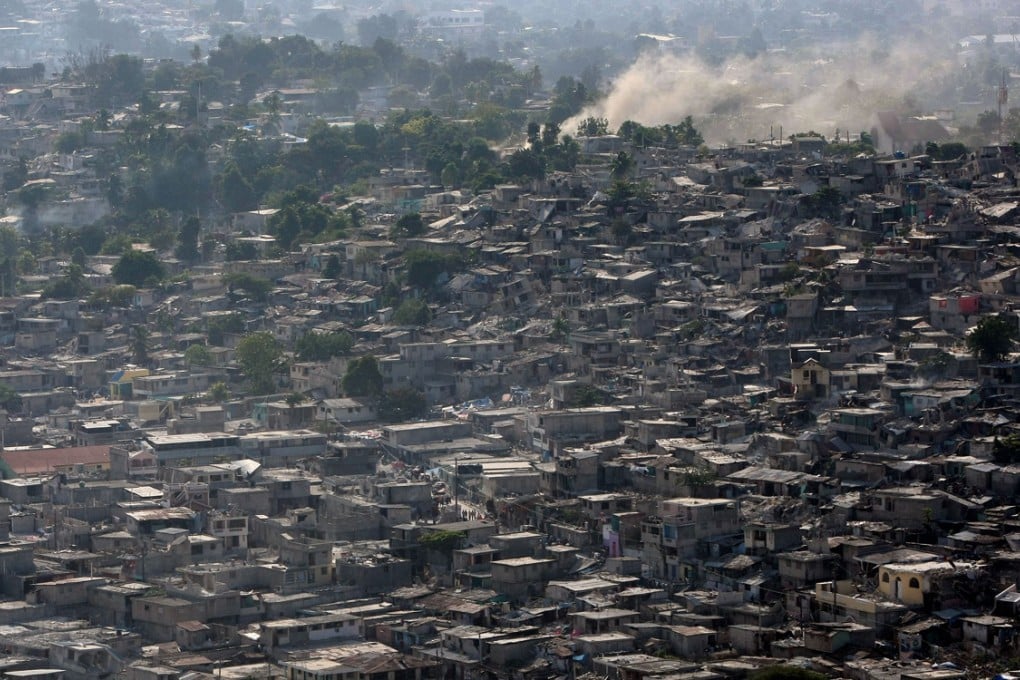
550	134
424	267
241	251
139	342
198	355
826	202
102	120
412	312
218	326
621	165
443	541
9	240
218	392
525	164
260	357
316	346
332	269
26	263
933	367
235	191
686	134
137	267
408	226
293	400
10	400
363	377
950	151
248	86
16	176
366	135
116	244
442	85
560	330
588	395
187	240
450	177
621	193
69	286
303	219
113	296
401	405
160	229
243	284
623	231
69	142
593	127
992	339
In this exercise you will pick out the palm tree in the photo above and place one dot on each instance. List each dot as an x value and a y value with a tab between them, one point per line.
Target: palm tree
621	166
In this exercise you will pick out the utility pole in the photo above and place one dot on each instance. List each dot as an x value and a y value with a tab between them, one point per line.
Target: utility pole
456	484
1003	100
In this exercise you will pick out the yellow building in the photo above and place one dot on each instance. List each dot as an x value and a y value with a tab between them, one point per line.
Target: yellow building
122	382
810	380
910	582
839	601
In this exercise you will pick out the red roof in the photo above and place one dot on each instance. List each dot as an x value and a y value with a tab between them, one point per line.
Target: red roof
48	460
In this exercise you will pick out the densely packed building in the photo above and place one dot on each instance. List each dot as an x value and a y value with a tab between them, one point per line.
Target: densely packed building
688	416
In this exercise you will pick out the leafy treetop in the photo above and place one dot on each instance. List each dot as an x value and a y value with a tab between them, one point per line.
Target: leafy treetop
992	339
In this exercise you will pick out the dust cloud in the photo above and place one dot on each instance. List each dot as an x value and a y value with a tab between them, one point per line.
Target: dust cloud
745	98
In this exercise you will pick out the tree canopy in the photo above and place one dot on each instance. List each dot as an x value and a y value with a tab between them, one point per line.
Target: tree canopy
242	284
442	541
260	357
10	400
408	225
992	339
401	405
412	312
138	268
363	377
683	133
424	267
316	346
198	355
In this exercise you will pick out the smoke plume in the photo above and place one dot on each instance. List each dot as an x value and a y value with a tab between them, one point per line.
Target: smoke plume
747	98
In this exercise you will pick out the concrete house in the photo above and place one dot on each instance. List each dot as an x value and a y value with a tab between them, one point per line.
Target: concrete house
521	577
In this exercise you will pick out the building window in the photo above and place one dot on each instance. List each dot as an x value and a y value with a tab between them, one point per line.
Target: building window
914	583
885	577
